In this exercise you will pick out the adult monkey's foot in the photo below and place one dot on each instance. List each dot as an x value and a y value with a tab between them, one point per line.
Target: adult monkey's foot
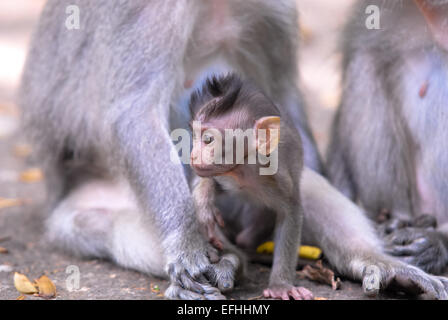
194	277
424	248
402	277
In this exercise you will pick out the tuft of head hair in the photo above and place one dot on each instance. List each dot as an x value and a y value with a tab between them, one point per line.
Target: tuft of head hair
217	96
229	93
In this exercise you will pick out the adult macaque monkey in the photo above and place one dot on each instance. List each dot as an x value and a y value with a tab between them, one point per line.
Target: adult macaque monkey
100	102
265	170
389	147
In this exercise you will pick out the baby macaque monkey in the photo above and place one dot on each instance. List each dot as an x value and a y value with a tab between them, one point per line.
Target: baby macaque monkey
265	171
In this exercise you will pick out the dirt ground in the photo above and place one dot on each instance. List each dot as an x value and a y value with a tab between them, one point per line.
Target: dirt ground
20	226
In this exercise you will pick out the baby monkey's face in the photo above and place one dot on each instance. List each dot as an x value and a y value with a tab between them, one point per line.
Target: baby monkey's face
208	156
219	146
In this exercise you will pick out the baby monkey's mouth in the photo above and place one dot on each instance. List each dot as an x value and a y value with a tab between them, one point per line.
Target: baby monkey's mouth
203	171
214	170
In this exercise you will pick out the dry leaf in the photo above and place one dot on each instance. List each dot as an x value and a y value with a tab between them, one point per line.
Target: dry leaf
320	298
320	274
22	150
47	289
31	175
6	203
21	297
23	284
3	250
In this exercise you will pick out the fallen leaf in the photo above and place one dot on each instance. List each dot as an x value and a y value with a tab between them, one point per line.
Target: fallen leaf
320	274
22	150
9	202
3	250
31	175
47	289
21	297
320	298
23	284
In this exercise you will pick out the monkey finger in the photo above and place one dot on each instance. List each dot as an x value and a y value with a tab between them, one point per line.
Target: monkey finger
225	274
403	236
276	294
211	229
412	249
415	281
186	278
216	243
425	221
423	262
304	293
395	224
371	284
180	277
444	282
210	292
430	260
216	295
189	284
219	219
296	295
174	271
213	255
175	292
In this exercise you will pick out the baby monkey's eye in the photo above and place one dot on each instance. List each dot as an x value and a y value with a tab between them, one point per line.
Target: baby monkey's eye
207	138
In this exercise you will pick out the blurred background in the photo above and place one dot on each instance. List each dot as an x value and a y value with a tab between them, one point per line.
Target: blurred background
21	184
321	21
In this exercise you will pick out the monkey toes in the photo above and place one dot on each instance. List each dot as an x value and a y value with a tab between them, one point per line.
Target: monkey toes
422	221
405	278
284	292
197	279
424	248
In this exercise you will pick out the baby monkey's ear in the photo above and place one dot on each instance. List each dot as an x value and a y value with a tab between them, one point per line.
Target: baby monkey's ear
267	132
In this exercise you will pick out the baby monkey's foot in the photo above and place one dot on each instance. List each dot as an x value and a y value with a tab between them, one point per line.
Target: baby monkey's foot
285	291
